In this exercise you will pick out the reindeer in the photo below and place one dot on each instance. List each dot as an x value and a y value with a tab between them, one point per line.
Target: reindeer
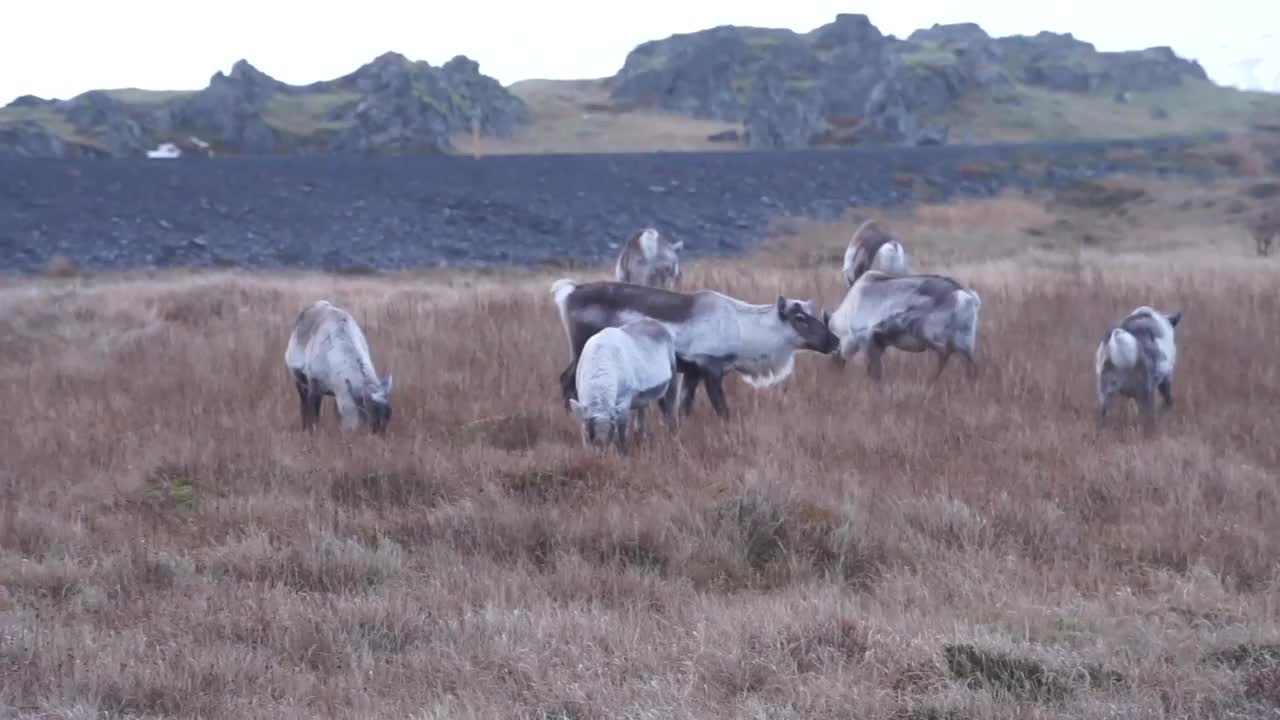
621	369
713	333
648	258
912	313
329	356
1135	360
873	248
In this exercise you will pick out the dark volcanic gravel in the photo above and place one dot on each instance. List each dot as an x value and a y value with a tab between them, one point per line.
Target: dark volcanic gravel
344	214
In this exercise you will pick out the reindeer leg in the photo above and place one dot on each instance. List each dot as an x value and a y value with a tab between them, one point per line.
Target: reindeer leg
973	366
1147	407
569	377
1166	391
667	403
943	357
689	380
715	392
1104	404
875	363
620	433
315	399
569	383
641	432
304	401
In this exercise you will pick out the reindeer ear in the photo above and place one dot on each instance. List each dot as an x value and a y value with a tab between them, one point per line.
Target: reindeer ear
826	318
677	245
1175	318
782	306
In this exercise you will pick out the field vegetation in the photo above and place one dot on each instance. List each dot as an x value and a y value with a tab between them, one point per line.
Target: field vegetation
172	545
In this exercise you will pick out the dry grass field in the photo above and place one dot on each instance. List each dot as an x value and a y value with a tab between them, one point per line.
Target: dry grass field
172	545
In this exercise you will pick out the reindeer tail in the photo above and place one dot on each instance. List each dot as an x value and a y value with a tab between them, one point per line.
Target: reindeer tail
1122	348
561	289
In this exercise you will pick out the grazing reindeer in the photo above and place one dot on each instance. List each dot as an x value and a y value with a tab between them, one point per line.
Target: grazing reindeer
620	369
648	258
713	333
329	356
873	248
912	313
1265	228
1135	360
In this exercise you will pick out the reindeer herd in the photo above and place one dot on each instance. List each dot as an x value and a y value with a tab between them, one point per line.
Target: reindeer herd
639	340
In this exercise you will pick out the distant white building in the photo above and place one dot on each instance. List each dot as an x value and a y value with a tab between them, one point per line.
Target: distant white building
168	151
165	150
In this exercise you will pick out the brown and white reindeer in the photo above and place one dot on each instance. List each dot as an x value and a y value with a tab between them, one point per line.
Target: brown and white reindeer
328	355
912	313
713	334
1135	360
873	248
648	258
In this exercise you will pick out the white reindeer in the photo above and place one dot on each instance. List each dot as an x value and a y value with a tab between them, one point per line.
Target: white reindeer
622	369
1135	360
714	334
912	313
648	258
329	356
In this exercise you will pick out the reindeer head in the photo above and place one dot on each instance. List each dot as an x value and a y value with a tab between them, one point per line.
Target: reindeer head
374	405
598	427
665	257
1172	318
810	333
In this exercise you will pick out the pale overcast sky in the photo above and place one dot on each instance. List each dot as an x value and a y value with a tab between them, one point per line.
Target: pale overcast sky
59	48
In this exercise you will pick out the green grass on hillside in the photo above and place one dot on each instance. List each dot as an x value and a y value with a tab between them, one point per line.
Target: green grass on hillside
1047	115
307	113
580	116
147	98
49	118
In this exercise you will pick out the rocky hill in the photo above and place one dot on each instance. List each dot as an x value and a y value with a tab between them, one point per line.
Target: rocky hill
725	88
846	82
390	106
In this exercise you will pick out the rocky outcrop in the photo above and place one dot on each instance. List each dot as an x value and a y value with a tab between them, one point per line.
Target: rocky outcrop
782	111
231	113
411	107
390	106
109	122
30	139
780	83
1062	62
847	83
708	74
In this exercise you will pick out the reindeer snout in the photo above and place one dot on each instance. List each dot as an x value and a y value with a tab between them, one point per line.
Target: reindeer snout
831	343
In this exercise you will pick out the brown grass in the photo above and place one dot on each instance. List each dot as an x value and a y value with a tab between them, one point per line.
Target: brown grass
172	545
